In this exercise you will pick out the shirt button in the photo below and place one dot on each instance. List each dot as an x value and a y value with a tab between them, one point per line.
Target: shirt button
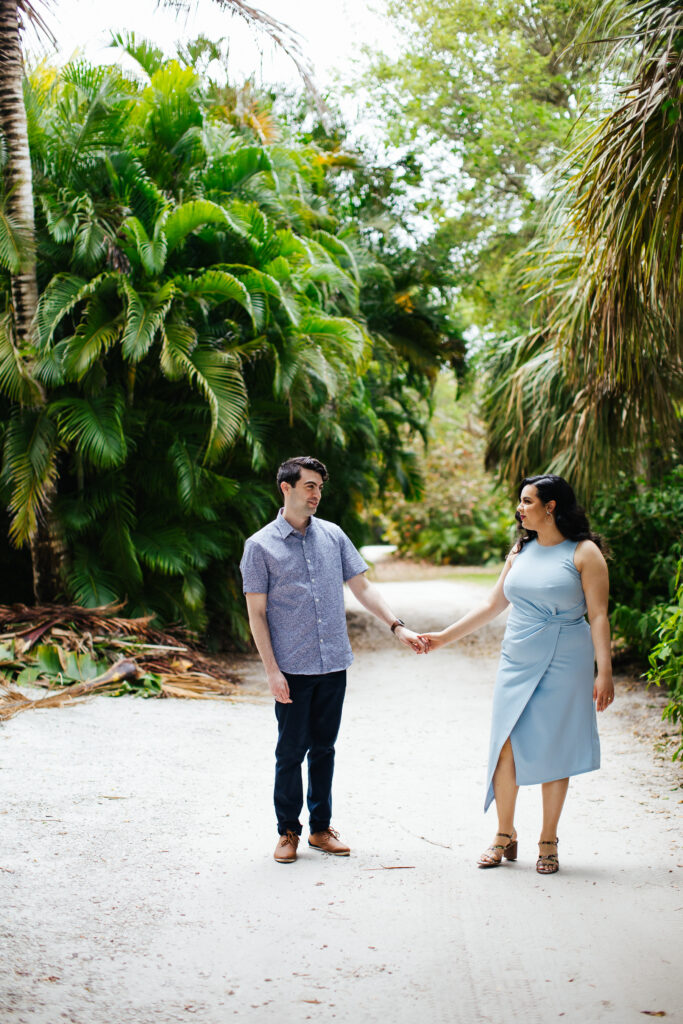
321	640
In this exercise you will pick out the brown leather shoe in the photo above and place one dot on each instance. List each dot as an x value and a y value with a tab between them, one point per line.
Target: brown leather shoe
285	851
328	841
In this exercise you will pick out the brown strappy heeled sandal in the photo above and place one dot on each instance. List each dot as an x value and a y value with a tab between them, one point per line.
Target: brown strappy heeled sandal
547	863
508	851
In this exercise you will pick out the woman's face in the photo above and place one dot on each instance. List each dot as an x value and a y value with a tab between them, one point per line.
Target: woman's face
531	510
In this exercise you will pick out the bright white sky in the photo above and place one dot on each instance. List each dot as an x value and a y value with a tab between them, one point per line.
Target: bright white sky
331	32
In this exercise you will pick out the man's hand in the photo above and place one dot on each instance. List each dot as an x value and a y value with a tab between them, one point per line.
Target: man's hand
279	687
410	639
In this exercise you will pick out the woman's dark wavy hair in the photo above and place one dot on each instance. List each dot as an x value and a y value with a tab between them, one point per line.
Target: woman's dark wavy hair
570	518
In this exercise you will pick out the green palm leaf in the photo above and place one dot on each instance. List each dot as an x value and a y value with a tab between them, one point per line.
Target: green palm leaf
234	169
338	336
163	549
15	242
88	582
30	469
339	251
217	376
15	380
90	243
152	251
61	296
189	217
94	426
179	339
60	216
262	288
217	286
96	333
145	315
149	57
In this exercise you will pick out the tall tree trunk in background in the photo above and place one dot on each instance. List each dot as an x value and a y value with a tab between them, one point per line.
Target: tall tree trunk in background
46	546
18	177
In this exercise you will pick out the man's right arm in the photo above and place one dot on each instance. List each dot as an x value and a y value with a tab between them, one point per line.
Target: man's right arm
258	622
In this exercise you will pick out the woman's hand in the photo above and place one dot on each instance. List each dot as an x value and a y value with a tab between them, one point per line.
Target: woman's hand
432	640
603	691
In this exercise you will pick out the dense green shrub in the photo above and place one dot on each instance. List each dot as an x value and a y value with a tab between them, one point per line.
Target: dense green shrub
642	524
666	657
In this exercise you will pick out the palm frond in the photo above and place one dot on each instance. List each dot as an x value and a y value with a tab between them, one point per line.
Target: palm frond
162	549
16	382
30	12
217	286
61	296
30	469
96	334
262	288
219	378
152	251
88	582
145	315
231	172
16	244
189	217
94	426
149	57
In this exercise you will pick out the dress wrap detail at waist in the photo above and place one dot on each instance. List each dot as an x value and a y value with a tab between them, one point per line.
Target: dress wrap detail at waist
536	618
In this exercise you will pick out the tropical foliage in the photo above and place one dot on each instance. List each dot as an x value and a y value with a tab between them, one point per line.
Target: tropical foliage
202	315
642	526
598	382
666	658
462	518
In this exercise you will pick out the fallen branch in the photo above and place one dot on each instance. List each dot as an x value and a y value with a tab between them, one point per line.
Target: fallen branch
76	642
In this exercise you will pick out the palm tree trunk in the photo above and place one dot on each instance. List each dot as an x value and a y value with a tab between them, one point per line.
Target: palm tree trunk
47	547
18	177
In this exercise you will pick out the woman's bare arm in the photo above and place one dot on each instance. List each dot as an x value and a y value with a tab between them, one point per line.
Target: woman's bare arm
591	564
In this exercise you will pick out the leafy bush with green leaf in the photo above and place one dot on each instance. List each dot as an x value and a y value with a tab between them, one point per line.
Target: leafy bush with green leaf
642	524
666	657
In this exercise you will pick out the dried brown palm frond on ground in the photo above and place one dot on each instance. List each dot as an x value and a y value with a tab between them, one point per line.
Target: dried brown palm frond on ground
75	652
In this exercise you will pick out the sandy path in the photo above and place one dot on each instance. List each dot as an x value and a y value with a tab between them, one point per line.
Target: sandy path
138	885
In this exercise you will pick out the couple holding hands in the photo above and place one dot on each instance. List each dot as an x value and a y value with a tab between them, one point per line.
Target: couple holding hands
544	726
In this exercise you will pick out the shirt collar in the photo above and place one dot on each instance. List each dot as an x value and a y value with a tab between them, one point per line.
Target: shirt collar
286	528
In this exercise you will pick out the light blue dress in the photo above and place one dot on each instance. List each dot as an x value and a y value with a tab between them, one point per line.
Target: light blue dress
543	698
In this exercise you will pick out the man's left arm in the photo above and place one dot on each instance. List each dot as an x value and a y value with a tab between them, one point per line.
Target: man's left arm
371	599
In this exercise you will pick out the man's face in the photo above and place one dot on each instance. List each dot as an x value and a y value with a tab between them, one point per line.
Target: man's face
303	497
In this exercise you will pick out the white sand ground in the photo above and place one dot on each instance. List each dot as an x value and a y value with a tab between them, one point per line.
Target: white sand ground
137	884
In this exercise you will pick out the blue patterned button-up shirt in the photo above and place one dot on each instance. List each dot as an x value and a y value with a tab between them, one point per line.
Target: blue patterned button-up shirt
303	576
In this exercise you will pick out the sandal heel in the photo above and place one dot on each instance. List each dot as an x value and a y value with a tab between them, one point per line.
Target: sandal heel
510	851
491	858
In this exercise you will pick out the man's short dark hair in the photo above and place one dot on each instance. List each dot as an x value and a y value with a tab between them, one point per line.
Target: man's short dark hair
290	470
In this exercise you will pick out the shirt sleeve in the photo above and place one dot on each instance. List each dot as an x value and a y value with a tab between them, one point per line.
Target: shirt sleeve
353	562
254	570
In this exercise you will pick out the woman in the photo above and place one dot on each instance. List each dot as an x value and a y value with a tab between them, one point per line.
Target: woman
544	727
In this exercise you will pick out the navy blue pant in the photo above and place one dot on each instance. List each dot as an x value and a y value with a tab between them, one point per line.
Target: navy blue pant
309	725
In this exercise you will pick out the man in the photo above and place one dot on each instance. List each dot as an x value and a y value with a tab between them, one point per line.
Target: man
293	572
